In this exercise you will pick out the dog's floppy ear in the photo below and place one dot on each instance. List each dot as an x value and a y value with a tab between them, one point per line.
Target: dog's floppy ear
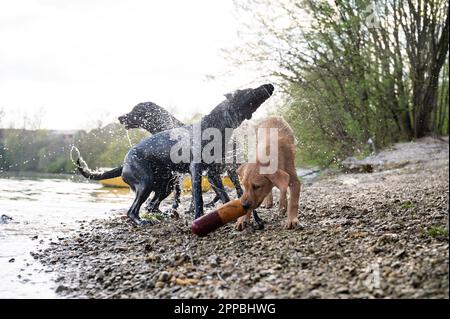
240	171
280	179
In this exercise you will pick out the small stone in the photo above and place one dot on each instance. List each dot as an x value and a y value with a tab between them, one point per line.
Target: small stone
277	267
59	279
400	254
159	284
150	284
342	290
375	249
12	260
394	227
151	257
164	276
387	238
100	276
213	260
61	288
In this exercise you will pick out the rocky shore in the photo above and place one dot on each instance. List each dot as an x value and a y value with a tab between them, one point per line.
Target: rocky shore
363	235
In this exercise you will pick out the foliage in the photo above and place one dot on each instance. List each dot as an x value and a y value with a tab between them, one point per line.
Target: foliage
352	70
437	231
49	152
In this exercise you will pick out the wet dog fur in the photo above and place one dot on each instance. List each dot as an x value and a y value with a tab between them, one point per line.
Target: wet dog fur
258	186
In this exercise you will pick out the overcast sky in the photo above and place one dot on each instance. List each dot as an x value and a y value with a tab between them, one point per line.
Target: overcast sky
83	60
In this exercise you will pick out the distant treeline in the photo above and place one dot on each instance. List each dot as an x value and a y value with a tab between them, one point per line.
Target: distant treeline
48	151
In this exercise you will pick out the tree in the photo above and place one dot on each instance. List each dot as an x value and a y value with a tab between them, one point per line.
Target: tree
425	25
354	69
107	146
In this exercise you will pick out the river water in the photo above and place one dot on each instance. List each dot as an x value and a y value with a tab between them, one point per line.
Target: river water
45	210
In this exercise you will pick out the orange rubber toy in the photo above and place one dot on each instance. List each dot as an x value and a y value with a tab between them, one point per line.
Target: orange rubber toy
217	218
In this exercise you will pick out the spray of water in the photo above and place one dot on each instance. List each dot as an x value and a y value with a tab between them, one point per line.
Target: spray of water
83	163
129	139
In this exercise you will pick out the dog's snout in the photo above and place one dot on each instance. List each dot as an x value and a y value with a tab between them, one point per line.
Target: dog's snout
269	88
122	118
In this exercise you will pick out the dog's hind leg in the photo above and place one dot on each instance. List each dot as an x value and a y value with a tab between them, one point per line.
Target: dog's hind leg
153	204
196	177
283	203
216	182
294	188
140	182
162	195
268	200
143	190
177	195
217	185
214	200
235	179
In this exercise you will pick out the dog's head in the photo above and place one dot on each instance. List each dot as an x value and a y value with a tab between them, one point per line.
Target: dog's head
150	117
245	102
138	116
257	185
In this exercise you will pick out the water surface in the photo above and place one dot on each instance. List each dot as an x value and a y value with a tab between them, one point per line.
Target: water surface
43	210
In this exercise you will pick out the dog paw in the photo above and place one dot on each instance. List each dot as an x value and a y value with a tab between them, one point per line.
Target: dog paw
240	225
258	226
291	223
143	223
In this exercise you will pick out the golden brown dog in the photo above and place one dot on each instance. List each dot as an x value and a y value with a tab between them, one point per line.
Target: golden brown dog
258	186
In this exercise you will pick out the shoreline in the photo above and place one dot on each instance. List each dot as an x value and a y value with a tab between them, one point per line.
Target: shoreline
364	235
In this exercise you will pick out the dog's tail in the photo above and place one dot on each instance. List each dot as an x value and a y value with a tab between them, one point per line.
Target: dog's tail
86	172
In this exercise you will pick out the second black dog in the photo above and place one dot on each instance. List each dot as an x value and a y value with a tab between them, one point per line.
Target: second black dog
154	119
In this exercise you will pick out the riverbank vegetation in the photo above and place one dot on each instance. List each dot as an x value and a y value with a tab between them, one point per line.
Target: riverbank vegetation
48	151
352	70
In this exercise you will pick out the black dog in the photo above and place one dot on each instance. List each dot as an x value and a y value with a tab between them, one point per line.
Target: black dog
151	117
154	119
149	161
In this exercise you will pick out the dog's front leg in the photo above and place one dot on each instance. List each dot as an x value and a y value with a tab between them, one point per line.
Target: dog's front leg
243	221
196	176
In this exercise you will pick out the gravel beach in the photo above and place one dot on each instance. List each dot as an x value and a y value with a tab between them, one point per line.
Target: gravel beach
363	235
